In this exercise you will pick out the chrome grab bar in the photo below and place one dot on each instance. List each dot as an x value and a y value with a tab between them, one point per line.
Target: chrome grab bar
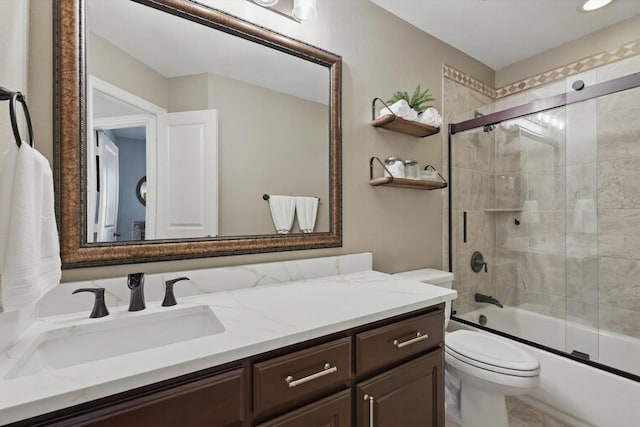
419	337
327	369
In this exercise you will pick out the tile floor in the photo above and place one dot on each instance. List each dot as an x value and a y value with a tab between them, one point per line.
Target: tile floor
522	414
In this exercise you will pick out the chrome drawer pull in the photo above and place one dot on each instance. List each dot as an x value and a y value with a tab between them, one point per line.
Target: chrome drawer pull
419	337
371	402
327	369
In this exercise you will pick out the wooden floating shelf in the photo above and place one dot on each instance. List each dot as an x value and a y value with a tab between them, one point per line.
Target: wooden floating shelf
415	184
397	124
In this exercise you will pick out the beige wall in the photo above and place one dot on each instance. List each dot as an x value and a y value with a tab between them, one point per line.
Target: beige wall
13	71
189	93
113	65
599	41
401	227
268	142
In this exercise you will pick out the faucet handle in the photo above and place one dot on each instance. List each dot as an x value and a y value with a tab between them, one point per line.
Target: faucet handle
99	307
169	297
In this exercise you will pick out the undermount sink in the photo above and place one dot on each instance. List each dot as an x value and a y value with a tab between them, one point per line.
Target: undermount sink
89	342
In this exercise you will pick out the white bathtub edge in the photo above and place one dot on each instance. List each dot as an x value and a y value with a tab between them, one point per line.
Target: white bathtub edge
590	396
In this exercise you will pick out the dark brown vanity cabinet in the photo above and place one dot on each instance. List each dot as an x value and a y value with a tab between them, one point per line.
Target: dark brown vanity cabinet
385	374
409	395
332	411
300	376
216	401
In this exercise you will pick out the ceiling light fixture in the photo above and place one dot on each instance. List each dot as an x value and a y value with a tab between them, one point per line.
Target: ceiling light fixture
591	5
305	10
266	3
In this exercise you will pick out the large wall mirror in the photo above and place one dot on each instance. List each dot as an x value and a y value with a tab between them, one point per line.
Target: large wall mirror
176	123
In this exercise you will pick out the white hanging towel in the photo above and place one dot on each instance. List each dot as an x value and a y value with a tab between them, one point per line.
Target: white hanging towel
29	248
307	210
283	208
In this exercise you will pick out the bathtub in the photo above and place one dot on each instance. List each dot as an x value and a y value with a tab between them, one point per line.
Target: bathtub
578	393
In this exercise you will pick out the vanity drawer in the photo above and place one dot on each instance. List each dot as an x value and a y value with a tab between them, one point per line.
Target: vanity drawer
217	401
294	377
389	344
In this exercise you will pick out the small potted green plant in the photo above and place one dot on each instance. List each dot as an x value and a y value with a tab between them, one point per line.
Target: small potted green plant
416	101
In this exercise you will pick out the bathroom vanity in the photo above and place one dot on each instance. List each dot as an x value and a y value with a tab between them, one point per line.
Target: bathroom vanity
357	348
395	378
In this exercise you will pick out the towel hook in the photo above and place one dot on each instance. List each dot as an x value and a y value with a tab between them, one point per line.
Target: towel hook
14	97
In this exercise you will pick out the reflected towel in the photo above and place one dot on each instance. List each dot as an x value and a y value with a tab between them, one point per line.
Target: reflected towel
307	210
283	208
584	217
29	248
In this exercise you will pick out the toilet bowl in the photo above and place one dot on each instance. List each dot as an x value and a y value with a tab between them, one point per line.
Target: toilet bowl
480	369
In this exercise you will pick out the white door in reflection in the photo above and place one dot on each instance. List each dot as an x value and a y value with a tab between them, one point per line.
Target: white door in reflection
187	175
108	187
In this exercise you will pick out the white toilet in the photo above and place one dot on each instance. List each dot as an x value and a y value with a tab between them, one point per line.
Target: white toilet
480	369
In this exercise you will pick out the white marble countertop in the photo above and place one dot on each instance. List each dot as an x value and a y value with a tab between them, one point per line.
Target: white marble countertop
255	320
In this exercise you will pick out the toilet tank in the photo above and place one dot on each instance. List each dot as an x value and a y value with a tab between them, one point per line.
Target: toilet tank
434	277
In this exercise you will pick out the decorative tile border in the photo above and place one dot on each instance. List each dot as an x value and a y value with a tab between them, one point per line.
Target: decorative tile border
468	81
598	60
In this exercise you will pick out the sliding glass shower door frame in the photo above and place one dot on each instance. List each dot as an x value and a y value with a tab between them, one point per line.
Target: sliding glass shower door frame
579	94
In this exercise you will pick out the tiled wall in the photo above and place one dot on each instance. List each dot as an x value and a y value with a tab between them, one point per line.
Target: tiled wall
529	219
471	163
618	193
578	256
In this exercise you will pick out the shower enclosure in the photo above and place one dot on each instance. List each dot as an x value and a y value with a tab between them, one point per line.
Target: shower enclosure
548	192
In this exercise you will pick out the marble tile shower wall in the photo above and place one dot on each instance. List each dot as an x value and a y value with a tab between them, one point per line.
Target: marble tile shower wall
529	202
618	195
472	165
578	257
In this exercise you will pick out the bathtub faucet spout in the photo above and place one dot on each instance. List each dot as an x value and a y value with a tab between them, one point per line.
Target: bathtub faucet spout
488	299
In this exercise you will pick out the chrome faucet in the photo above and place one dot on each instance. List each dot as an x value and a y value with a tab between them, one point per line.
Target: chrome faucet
135	282
488	299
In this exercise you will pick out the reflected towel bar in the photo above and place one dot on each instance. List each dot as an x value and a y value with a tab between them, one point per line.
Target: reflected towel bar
266	197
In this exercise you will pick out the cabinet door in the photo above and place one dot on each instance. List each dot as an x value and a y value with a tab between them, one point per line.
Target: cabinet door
333	411
411	395
216	401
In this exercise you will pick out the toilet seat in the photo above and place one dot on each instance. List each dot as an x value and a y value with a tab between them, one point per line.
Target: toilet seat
490	353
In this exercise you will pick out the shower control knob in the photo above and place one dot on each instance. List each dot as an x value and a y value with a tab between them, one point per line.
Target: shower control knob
478	262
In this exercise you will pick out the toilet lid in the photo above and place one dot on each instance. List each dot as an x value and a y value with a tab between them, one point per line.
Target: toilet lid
488	352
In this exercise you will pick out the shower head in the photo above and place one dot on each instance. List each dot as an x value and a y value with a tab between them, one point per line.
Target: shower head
487	128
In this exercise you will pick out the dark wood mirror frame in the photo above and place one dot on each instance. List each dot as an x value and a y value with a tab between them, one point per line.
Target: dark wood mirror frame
70	139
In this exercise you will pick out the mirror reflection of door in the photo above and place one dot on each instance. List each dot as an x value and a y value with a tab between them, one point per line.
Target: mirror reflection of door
177	152
108	188
187	173
130	124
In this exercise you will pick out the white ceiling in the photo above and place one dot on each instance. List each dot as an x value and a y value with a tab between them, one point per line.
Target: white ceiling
501	32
